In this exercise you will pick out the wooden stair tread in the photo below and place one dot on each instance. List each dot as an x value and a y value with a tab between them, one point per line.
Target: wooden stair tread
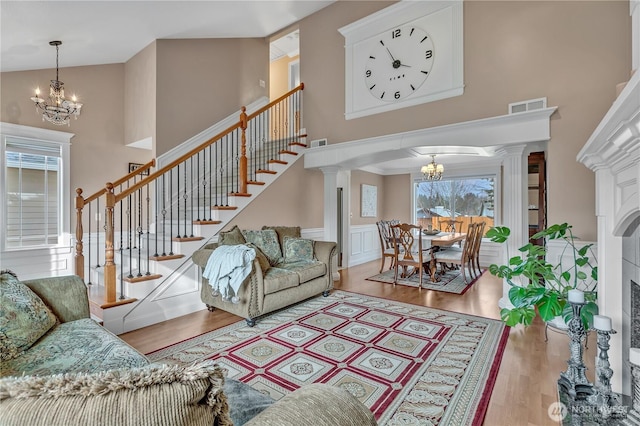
142	278
186	239
271	172
285	151
97	302
239	194
277	162
207	222
224	208
304	145
254	182
160	258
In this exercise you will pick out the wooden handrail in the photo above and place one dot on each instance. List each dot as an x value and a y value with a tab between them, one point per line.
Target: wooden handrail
272	103
112	199
122	195
174	163
122	180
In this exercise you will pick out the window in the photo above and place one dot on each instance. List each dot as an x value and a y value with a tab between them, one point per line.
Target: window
454	203
32	194
34	187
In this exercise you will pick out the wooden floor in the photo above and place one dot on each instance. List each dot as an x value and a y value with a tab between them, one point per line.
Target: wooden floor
525	385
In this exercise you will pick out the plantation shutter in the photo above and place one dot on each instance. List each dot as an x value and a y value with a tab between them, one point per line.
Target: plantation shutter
32	192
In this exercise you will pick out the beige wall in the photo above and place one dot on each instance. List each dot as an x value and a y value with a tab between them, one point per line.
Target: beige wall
140	96
201	81
98	151
514	51
397	190
357	179
295	199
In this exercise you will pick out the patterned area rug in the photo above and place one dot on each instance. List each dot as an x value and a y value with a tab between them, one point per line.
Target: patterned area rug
450	282
409	364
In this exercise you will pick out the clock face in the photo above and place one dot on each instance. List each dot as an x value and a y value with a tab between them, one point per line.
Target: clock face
399	63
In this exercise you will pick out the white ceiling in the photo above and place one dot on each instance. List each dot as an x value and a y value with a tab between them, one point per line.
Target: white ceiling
105	32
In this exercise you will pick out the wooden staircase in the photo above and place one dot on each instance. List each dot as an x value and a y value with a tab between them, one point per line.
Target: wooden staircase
145	274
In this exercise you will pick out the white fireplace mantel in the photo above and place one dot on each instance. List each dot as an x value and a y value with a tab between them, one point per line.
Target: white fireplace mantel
613	153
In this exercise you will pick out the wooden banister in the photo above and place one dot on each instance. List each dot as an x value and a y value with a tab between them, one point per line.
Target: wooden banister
112	198
79	258
153	176
109	255
243	151
272	103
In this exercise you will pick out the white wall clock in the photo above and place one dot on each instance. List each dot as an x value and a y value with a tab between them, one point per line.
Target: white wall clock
406	54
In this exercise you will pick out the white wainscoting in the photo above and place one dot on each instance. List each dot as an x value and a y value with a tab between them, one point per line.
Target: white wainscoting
30	264
364	244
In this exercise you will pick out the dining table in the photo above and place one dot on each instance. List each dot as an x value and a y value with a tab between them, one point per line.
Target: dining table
442	239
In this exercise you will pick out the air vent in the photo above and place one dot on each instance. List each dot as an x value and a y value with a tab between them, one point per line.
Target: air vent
530	105
318	142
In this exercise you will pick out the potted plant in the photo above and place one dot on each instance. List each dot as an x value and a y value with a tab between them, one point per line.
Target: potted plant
548	284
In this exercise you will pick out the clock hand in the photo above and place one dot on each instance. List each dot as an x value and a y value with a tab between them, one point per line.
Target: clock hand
389	52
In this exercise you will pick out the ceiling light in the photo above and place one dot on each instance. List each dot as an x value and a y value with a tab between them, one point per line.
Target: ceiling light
432	171
57	110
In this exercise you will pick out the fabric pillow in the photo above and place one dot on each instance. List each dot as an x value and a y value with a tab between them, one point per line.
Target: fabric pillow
149	396
267	241
297	249
24	318
262	259
231	237
285	231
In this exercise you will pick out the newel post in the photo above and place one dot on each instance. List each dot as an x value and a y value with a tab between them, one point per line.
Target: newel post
109	264
243	151
79	259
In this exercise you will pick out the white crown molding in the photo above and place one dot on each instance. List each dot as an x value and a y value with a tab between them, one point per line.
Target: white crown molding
520	128
17	130
614	143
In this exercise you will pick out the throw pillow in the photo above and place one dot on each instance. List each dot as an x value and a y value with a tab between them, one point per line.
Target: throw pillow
231	237
262	259
150	396
24	318
297	249
285	231
267	241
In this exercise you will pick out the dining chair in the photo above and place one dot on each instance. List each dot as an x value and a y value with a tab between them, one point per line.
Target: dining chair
386	243
462	256
407	241
476	248
450	225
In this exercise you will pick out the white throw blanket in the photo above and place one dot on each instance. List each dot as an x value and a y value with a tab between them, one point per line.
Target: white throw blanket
227	268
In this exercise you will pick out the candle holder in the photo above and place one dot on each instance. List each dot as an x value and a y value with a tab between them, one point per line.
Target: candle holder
635	373
603	398
574	381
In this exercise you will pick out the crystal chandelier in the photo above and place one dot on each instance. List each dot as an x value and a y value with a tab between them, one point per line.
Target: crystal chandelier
432	171
57	110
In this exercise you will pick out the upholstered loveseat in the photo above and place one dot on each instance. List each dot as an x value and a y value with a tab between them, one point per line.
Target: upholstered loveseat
59	367
287	269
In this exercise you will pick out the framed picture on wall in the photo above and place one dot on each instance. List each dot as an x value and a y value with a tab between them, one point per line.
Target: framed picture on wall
135	166
369	200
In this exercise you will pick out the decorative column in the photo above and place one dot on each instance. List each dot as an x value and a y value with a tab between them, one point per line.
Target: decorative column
514	202
332	181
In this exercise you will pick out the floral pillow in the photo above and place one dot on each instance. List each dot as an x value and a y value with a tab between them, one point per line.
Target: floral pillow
267	241
297	249
24	317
